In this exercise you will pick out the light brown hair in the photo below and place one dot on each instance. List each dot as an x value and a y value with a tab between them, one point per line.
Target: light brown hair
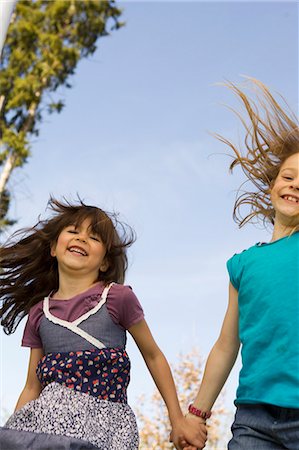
272	135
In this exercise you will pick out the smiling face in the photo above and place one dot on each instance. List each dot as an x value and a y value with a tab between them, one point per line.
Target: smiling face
79	251
285	192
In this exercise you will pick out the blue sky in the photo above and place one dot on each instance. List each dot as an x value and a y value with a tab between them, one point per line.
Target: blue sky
134	138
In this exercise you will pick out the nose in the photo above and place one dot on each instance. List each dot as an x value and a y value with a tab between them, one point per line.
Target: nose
81	237
295	184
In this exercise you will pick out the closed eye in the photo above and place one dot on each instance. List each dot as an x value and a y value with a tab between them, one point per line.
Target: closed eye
72	231
94	238
288	178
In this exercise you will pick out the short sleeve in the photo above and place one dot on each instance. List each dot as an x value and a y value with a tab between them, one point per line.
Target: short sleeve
124	307
234	268
31	337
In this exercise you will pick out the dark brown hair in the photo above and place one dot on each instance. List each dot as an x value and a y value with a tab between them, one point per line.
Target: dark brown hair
272	135
28	271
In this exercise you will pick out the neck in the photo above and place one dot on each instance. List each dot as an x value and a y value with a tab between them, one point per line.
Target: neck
69	285
281	230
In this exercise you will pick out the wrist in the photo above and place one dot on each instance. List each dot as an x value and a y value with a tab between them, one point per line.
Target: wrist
175	417
199	412
190	416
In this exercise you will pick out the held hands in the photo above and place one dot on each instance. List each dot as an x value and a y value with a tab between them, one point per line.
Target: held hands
190	433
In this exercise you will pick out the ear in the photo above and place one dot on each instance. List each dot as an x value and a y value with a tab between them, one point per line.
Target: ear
53	250
104	266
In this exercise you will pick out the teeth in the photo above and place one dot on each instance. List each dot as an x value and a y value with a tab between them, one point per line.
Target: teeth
291	199
78	250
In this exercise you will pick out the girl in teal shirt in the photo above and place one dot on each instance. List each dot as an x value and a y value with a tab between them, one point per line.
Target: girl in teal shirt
263	310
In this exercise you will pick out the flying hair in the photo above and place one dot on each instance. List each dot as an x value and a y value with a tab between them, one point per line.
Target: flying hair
28	271
272	135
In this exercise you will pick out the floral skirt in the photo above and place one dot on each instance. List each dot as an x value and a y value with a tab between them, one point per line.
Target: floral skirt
68	420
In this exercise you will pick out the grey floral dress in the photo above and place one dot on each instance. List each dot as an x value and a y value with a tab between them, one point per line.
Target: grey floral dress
83	403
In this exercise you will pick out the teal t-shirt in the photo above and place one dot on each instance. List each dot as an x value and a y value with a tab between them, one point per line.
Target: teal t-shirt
266	277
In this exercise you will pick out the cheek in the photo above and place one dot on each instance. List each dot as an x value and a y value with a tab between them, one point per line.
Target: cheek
274	199
62	239
275	189
57	245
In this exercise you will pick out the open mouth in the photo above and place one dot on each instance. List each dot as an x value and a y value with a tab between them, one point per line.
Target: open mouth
291	198
77	250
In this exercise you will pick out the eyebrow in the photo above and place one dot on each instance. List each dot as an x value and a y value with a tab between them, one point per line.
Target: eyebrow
293	169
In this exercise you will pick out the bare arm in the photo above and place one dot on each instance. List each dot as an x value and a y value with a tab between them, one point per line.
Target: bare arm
222	356
32	387
160	371
219	364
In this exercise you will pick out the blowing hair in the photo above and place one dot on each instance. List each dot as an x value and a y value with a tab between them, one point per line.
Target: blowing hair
272	135
28	271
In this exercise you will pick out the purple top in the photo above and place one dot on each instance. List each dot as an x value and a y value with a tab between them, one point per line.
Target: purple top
122	305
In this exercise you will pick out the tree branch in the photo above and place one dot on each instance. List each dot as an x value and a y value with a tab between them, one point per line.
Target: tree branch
6	172
29	120
2	104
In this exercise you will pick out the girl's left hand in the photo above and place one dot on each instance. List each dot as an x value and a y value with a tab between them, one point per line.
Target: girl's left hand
189	434
181	444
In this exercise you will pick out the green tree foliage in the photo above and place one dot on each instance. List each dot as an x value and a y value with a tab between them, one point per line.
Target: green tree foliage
45	41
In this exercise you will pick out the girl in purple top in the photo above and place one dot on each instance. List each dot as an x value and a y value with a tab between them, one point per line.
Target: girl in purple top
67	274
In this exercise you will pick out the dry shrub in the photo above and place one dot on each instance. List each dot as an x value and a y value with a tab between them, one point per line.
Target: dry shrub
154	426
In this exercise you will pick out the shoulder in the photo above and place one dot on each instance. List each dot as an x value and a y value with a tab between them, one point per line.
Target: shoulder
243	254
123	293
237	263
36	311
35	315
124	306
